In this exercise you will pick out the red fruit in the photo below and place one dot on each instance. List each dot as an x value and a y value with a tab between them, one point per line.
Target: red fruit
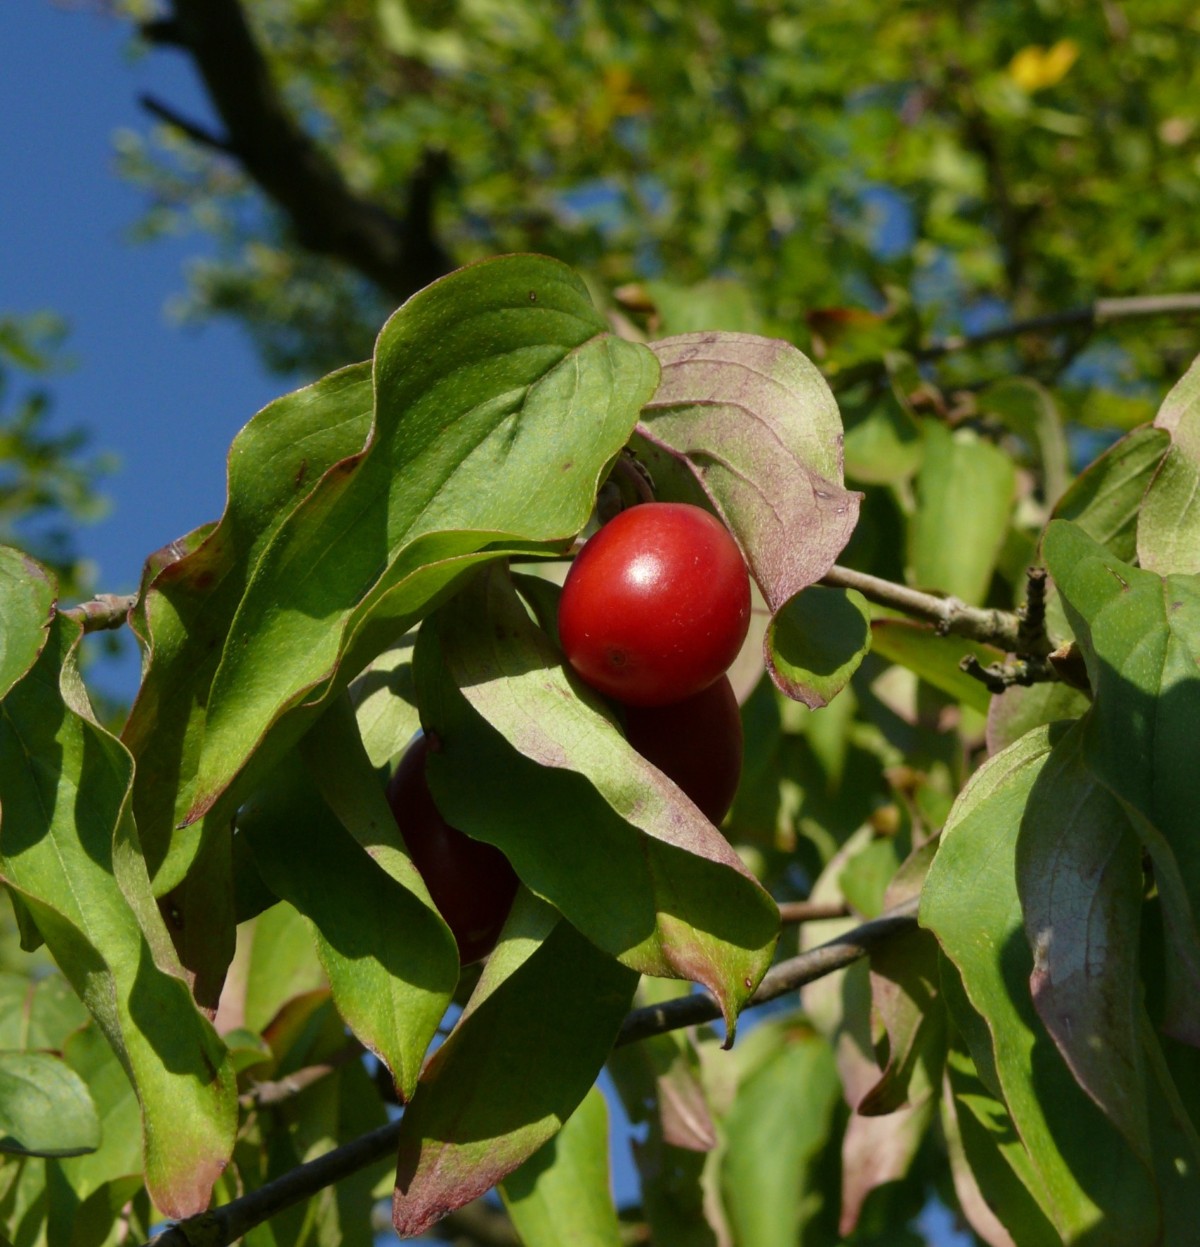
696	742
471	883
656	605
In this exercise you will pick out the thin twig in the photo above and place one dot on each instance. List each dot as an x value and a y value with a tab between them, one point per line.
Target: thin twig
1090	316
1087	318
793	912
947	614
267	1094
104	611
398	250
998	677
230	1221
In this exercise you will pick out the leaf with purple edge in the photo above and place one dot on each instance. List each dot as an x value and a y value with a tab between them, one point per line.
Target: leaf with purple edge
530	1042
816	641
1087	1178
1079	879
758	429
69	850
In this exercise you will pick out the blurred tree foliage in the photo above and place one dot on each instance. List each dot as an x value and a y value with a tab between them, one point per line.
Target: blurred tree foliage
937	167
47	482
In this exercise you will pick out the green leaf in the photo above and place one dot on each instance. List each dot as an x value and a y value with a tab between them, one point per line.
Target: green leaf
1181	964
778	1124
385	702
904	993
884	447
1027	409
528	762
752	422
500	398
45	1109
68	848
1081	1173
877	1156
531	1041
27	593
561	1193
23	1199
1140	637
892	1118
1079	878
992	1174
195	586
936	659
965	492
338	1107
816	642
1176	1144
390	959
120	1152
1019	710
283	964
718	303
39	1014
1168	526
1105	499
201	916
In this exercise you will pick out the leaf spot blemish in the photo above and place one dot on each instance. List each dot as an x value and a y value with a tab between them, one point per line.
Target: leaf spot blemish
301	473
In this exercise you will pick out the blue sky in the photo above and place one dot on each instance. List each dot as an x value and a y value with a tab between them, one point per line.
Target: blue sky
166	401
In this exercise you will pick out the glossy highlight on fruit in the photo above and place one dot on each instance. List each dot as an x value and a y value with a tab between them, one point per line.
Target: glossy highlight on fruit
656	605
471	883
696	742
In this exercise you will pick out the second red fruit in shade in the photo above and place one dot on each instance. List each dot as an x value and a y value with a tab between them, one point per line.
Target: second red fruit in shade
696	742
471	883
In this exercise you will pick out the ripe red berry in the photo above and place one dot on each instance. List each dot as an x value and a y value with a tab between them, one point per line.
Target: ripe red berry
696	742
471	883
656	605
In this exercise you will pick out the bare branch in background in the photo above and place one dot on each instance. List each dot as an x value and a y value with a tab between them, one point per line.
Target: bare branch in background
400	254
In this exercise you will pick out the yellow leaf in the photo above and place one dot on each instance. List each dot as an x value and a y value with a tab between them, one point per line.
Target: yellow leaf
1034	68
